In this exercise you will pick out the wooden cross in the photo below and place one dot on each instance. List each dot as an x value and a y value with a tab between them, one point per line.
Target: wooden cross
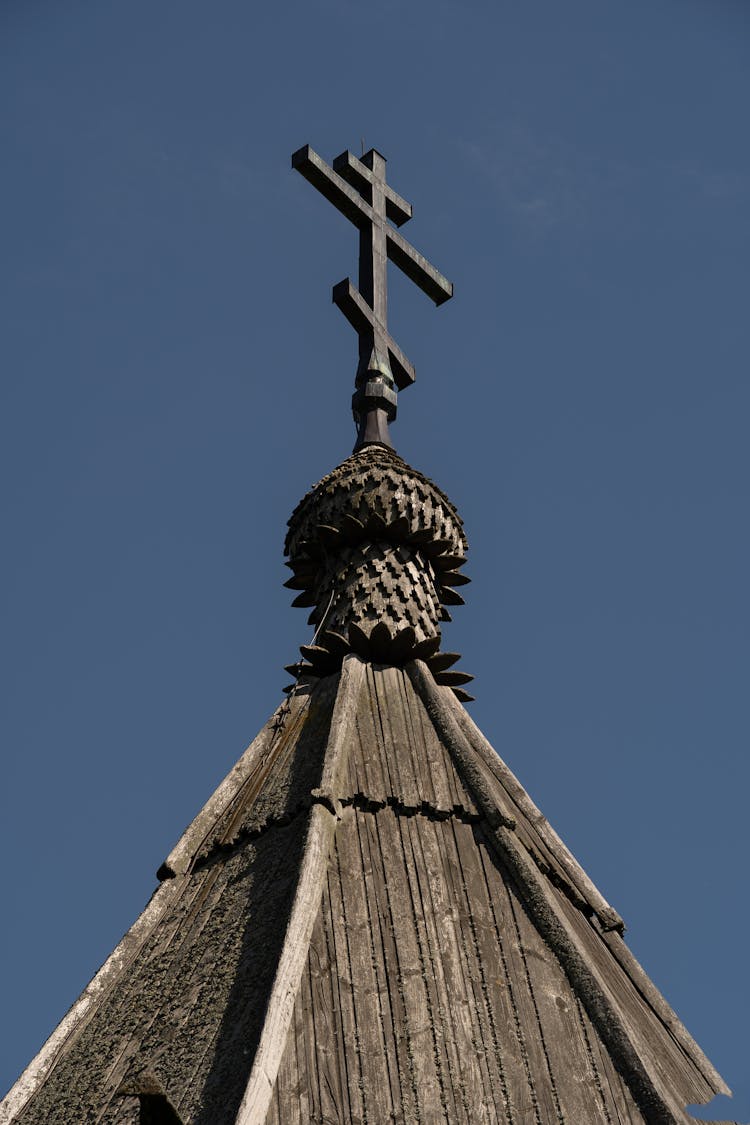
359	190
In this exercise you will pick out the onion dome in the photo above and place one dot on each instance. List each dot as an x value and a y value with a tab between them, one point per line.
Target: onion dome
376	551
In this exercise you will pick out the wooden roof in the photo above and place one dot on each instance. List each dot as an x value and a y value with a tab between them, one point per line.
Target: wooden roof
369	921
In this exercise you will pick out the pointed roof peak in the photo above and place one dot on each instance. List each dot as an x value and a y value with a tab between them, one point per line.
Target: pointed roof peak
369	913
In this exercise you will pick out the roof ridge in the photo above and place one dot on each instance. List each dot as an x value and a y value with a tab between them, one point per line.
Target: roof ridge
307	898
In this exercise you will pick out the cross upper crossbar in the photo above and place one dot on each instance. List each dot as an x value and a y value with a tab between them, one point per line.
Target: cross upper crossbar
358	189
360	176
351	203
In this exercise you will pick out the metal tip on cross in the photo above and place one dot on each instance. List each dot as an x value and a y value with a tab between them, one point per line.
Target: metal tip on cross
358	188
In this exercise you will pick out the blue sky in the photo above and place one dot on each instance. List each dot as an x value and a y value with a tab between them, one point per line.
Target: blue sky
175	377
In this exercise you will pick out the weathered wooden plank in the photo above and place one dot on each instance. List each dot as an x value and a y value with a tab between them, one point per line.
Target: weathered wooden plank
349	1045
493	938
323	1025
307	1041
485	970
306	1077
378	785
428	759
454	794
286	1101
521	1079
573	1078
460	970
353	781
425	889
272	1116
382	741
371	782
528	1016
413	746
618	1099
386	961
430	755
381	1087
397	748
306	904
353	672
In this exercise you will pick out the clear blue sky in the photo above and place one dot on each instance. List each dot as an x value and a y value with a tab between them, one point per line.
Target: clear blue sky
175	376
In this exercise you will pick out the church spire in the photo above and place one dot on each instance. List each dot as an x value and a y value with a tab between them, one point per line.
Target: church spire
370	920
359	190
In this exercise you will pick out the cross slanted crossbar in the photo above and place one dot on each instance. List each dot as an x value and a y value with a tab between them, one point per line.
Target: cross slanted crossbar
358	189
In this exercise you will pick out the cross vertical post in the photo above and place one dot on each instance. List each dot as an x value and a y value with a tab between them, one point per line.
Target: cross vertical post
374	365
373	253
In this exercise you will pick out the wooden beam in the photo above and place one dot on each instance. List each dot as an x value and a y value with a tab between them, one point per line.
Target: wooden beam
323	820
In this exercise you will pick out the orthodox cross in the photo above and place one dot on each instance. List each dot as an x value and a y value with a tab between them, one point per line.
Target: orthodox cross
359	190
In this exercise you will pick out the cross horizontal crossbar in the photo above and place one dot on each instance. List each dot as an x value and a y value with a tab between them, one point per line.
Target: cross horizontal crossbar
360	177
